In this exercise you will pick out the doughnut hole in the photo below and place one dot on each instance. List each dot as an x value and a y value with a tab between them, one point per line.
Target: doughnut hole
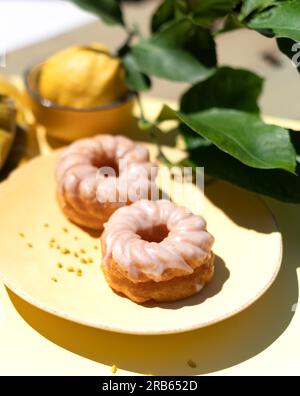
106	166
154	234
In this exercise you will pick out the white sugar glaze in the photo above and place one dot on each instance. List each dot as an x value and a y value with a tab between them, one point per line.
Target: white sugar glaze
186	246
84	192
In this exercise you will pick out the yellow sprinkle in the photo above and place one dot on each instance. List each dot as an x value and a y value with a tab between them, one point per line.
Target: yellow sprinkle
21	235
52	240
57	247
83	260
114	369
70	269
65	230
90	260
46	225
76	238
65	251
51	245
29	245
191	363
79	272
54	279
59	265
82	251
96	247
75	254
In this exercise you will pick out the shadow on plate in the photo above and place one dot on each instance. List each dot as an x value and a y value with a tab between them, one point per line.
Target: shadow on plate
214	287
92	233
222	195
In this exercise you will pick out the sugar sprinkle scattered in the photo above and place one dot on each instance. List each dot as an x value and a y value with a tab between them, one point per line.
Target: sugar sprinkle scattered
191	363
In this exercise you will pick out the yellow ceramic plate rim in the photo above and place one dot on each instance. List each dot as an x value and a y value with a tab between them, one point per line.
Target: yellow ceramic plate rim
115	329
179	329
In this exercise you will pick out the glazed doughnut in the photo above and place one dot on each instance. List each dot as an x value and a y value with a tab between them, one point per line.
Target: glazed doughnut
155	250
98	175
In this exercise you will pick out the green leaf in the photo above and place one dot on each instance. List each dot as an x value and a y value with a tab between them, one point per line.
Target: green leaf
242	135
135	79
227	88
171	64
231	23
167	113
108	10
164	55
206	11
274	183
291	49
203	12
184	34
282	20
164	13
144	124
249	6
193	140
202	45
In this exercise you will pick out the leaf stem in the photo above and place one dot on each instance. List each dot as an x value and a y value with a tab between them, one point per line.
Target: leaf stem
133	31
124	48
139	101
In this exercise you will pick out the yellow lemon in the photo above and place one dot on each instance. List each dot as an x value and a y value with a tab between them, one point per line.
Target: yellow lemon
82	76
8	88
13	87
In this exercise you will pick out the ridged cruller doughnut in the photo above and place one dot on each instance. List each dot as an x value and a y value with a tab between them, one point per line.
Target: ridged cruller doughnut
98	175
156	250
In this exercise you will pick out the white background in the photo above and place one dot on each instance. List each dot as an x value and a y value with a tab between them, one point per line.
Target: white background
24	22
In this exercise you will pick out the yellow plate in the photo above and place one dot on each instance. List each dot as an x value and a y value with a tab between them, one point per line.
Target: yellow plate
248	248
